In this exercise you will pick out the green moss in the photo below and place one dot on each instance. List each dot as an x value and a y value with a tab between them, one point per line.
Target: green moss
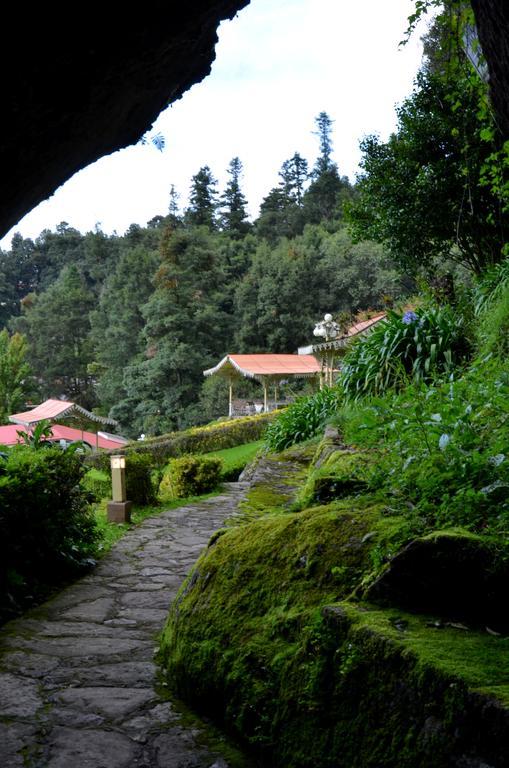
341	474
477	658
266	636
276	482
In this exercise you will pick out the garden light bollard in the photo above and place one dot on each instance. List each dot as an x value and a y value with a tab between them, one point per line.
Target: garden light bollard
119	509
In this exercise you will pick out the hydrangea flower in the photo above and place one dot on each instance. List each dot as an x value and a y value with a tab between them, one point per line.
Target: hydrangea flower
409	318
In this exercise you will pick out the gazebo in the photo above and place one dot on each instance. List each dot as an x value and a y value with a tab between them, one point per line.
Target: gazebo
53	410
265	368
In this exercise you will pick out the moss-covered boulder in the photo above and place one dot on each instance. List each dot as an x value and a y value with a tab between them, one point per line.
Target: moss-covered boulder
268	635
454	574
250	606
335	475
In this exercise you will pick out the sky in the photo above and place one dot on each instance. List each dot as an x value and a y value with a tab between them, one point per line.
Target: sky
279	63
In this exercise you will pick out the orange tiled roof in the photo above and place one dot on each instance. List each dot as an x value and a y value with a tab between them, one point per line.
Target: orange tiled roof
255	366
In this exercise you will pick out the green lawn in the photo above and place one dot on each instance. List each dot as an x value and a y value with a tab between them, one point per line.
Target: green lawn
238	457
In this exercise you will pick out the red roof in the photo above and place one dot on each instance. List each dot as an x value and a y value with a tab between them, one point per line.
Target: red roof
54	409
9	436
256	366
364	324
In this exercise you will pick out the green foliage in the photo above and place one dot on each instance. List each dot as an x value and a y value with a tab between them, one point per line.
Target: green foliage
202	199
420	193
215	436
117	322
57	328
126	324
38	437
442	449
46	531
14	374
139	482
315	271
253	639
98	484
413	346
190	476
179	316
492	285
493	329
302	420
234	214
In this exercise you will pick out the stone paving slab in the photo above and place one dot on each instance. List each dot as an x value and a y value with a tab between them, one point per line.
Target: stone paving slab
78	683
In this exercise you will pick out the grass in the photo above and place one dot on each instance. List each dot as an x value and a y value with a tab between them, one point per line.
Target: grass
237	457
112	532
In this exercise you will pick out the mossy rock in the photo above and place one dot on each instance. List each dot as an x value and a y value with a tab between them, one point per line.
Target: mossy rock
341	474
453	574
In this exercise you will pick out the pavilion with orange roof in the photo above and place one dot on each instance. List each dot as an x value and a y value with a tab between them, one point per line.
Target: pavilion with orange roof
265	368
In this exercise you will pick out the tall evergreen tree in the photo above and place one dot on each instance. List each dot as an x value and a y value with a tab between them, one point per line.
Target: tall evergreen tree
324	198
117	323
280	211
186	331
174	217
324	132
202	199
294	174
57	327
234	214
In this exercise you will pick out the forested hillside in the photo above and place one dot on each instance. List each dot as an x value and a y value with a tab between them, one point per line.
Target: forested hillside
126	324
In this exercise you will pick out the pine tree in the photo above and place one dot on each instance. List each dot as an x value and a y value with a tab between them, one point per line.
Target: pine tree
324	132
234	214
174	217
323	200
281	210
202	199
57	327
186	331
117	323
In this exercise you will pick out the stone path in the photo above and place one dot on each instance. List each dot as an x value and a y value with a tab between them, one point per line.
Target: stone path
78	683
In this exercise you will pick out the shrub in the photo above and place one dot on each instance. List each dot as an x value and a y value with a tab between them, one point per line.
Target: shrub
98	484
442	450
490	288
303	419
138	476
493	323
213	437
191	476
46	530
416	345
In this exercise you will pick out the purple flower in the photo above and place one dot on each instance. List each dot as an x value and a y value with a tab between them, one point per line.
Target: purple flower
409	318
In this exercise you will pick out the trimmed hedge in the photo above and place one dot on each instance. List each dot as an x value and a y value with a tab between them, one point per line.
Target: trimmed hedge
213	437
191	476
138	477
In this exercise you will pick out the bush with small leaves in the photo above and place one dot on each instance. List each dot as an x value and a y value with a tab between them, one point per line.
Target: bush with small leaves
190	476
47	532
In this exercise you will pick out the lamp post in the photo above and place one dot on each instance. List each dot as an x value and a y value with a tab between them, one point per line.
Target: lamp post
119	509
328	330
